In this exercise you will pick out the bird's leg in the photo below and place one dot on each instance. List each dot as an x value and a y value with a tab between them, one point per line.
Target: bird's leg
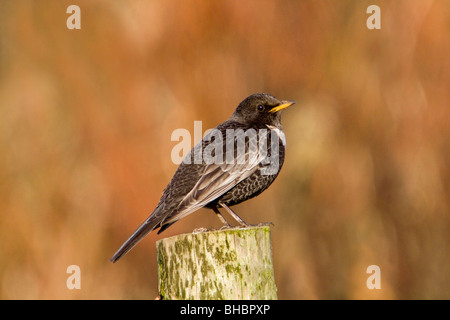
242	222
221	217
234	215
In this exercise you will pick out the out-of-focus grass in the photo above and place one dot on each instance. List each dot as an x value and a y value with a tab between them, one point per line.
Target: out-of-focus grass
86	118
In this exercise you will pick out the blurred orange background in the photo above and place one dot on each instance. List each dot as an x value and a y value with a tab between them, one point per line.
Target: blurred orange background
86	118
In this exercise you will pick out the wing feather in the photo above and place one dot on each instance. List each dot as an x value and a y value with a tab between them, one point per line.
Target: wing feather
217	179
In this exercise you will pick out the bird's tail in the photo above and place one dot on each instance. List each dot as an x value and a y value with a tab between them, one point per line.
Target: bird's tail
146	227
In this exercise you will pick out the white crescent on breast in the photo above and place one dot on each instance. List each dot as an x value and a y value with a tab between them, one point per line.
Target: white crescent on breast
279	133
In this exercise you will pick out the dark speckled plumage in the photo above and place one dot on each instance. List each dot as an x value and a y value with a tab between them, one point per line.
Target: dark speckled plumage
222	183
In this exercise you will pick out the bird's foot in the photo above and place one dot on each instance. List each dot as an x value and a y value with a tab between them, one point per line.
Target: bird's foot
262	224
226	226
199	230
265	224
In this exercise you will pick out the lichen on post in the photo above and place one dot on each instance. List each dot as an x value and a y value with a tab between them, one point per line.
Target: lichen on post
233	263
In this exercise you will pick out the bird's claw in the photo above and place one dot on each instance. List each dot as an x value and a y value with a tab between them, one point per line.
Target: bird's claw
262	224
199	230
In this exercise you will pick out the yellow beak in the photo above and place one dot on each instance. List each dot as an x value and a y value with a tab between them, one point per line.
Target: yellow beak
284	104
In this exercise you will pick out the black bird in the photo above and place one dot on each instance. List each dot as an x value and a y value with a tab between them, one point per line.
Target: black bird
237	161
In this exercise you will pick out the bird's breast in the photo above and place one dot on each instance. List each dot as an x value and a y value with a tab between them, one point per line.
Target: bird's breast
279	133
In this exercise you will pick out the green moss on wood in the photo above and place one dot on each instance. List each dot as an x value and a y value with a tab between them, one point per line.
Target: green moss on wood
226	264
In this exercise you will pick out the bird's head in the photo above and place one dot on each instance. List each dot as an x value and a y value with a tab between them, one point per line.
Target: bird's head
260	108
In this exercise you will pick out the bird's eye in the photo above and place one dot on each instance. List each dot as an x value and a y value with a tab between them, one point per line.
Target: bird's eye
260	107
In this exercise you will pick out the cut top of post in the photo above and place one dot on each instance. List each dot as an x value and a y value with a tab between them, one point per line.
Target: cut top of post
233	263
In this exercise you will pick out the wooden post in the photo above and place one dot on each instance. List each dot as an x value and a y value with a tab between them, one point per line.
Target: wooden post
225	264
